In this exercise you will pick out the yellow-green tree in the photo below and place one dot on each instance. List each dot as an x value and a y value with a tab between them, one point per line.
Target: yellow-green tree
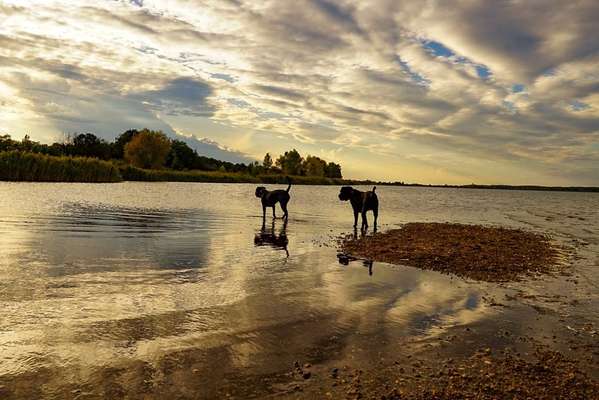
148	149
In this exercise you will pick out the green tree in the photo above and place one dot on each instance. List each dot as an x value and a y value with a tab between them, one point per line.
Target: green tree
181	156
118	146
333	170
267	163
148	149
27	144
314	166
255	168
88	145
291	162
6	143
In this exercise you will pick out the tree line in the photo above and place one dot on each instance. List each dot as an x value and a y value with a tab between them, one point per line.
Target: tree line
154	150
292	163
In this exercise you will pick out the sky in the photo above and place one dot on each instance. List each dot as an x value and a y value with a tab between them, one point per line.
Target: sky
452	91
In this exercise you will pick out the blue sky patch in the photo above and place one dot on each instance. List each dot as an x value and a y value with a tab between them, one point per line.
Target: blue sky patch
415	76
518	88
577	105
239	103
482	71
223	77
438	49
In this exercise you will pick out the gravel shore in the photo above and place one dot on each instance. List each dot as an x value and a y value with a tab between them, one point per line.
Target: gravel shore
481	253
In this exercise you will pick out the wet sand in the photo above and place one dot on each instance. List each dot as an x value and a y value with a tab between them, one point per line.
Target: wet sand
490	254
544	375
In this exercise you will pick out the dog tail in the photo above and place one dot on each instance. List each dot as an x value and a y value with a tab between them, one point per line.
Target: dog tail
373	189
288	187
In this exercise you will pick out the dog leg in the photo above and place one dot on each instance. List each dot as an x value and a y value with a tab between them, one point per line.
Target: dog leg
274	214
285	212
355	219
364	220
375	211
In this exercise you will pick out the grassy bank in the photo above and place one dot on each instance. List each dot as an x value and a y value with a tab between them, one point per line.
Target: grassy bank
130	173
34	167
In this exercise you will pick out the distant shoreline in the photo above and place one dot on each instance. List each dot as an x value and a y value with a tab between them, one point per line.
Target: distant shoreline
18	166
581	189
210	177
136	174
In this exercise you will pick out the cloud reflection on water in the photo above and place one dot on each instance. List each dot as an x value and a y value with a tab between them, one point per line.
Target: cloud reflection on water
103	292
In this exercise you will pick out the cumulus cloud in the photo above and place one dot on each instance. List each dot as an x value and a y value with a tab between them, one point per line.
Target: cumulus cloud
484	84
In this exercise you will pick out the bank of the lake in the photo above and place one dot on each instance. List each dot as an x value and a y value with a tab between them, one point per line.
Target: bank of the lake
19	166
130	173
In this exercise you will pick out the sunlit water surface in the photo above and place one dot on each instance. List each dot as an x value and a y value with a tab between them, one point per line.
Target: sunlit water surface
119	288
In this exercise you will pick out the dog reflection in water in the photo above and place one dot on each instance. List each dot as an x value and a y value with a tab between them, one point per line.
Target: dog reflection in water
268	237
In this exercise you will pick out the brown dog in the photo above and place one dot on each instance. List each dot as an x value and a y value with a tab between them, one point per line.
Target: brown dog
361	202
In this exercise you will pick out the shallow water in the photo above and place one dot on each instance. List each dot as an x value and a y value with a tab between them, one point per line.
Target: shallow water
158	288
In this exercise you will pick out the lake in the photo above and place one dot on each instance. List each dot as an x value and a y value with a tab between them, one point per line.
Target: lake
174	289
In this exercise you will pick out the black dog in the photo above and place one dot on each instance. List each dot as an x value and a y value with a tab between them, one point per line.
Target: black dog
361	202
271	198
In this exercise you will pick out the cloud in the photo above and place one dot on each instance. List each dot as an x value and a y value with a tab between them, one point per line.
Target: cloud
484	84
180	96
70	110
210	148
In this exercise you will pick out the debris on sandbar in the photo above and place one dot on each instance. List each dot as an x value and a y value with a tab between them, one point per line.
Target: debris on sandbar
492	254
544	375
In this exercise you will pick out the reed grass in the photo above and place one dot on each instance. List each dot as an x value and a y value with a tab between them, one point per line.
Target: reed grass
131	173
35	167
